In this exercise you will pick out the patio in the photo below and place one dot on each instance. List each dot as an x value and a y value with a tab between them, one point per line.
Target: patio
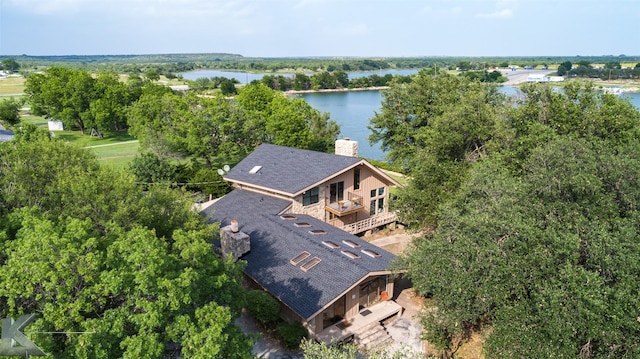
376	313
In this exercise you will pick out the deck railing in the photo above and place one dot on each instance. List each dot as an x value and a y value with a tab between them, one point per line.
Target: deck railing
370	223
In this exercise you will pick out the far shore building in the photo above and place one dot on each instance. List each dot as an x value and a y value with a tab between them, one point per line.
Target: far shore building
293	216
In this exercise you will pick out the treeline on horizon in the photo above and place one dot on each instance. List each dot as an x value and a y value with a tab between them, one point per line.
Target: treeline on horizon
187	62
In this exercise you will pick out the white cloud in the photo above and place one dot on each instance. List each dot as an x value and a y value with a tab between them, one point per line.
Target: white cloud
499	14
504	9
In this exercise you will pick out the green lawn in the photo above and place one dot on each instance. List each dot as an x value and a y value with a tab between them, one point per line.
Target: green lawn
117	155
116	150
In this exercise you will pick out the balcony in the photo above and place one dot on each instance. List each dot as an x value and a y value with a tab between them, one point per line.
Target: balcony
345	207
370	223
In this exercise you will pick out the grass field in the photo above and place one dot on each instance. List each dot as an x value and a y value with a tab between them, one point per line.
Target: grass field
116	150
12	86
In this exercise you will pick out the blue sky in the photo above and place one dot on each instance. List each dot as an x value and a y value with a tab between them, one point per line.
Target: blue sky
281	28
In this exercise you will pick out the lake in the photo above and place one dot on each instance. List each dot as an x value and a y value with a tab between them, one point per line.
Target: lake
351	110
246	77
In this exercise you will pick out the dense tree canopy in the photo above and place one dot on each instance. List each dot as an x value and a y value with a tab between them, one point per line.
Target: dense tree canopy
533	232
435	127
10	112
79	100
87	251
220	130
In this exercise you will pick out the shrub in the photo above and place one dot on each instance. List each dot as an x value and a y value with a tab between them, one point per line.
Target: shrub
291	334
262	306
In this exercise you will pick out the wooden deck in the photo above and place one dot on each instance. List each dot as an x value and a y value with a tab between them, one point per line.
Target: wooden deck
370	223
375	313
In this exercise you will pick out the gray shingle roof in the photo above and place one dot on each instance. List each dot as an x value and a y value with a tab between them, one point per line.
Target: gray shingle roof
275	241
288	170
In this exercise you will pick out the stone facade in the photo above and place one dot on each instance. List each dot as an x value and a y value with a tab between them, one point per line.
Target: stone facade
233	243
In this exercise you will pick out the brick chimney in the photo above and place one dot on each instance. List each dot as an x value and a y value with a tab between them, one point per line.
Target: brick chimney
233	242
347	147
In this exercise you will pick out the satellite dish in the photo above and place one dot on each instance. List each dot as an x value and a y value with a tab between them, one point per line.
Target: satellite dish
226	168
220	172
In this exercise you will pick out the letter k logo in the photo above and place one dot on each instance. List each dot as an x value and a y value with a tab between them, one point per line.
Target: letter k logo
12	335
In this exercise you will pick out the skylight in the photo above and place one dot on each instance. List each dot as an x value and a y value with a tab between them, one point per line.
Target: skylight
255	169
350	254
310	264
302	224
299	258
317	232
330	244
351	243
371	253
288	217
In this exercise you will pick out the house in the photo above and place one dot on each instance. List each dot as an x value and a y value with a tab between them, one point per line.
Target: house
286	218
341	189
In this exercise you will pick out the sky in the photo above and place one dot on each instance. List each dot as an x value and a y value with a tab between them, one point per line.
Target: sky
334	28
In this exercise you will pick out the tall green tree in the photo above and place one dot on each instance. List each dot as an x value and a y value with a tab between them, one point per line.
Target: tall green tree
84	248
109	108
435	127
536	239
63	94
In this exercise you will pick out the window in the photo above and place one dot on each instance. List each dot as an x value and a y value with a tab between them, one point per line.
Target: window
372	207
336	192
381	191
311	196
356	178
380	205
373	193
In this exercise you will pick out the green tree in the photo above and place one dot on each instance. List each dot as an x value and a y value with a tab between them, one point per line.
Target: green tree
262	306
63	94
10	65
109	108
135	270
149	168
435	128
228	88
540	256
152	74
564	68
10	111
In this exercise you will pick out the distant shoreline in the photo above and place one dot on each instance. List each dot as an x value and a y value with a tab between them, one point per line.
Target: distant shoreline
301	92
